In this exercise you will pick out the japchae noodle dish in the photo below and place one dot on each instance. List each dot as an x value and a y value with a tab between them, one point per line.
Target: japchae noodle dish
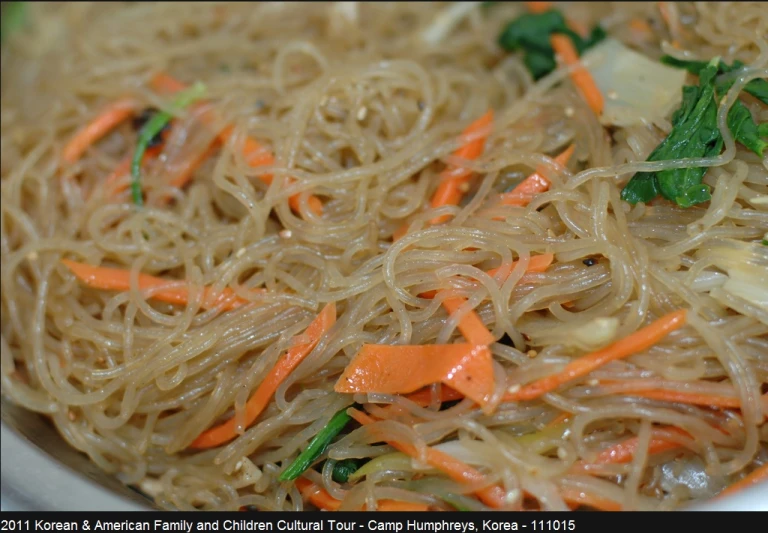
392	256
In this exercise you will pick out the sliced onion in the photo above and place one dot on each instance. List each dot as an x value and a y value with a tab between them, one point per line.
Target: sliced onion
446	21
635	88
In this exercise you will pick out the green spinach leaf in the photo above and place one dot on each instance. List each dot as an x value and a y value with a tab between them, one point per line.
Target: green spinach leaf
531	33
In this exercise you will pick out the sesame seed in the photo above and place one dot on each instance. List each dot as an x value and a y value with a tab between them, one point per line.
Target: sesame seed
532	353
71	415
362	113
612	95
561	453
240	253
593	382
514	389
512	496
569	111
32	256
464	187
285	234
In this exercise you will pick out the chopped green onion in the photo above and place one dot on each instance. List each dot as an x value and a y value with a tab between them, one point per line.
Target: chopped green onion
457	501
343	469
154	126
316	446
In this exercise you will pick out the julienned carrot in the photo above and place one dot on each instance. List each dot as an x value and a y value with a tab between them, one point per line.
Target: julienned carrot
284	366
581	77
453	180
641	27
671	20
384	369
538	7
167	84
491	495
97	128
257	155
537	263
623	452
560	419
320	498
658	392
690	398
470	324
187	168
253	152
457	470
534	184
115	279
758	475
640	340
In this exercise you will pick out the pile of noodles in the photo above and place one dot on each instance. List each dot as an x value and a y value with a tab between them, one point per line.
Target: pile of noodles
362	113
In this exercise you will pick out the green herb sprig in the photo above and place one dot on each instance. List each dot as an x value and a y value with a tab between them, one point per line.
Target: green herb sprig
317	446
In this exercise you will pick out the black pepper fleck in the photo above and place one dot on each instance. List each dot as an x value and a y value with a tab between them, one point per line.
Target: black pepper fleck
589	261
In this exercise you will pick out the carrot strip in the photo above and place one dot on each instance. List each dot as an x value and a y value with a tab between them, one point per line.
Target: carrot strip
758	475
453	180
383	369
690	398
457	470
560	419
538	7
580	76
97	128
640	340
187	169
317	496
470	325
623	452
534	184
537	263
167	84
672	21
643	390
253	152
114	279
641	27
320	498
261	398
